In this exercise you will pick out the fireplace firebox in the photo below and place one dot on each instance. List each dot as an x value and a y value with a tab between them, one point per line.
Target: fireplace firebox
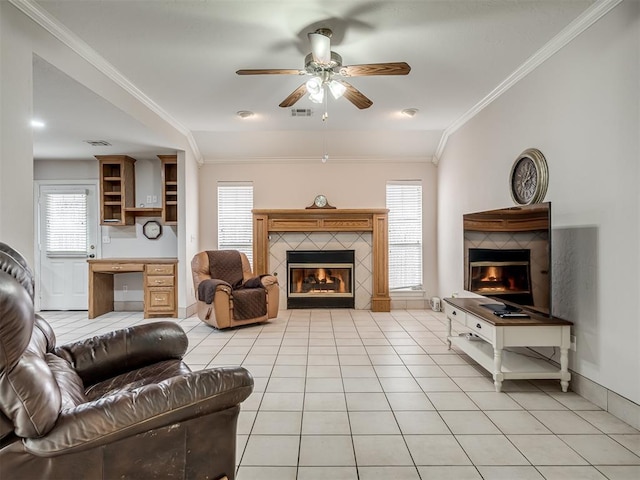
503	274
320	279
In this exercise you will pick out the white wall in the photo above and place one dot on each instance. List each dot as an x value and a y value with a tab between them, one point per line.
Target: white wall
355	184
16	147
20	39
581	109
188	228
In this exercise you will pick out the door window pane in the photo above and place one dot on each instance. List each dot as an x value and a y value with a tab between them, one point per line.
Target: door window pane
66	224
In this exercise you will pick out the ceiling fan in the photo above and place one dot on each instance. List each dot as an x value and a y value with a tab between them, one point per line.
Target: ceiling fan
325	69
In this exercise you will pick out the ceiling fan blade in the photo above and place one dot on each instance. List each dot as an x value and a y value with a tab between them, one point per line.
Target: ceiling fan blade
320	47
296	95
394	68
355	96
271	71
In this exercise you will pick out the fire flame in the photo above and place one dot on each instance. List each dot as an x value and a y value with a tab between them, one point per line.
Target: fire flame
322	277
493	274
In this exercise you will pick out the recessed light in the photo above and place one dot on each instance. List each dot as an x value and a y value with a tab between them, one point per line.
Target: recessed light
245	114
410	112
37	123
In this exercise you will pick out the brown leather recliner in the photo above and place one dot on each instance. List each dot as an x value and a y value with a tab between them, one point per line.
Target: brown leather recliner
228	293
119	405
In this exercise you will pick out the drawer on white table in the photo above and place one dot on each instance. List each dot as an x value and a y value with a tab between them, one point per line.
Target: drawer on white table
481	328
454	313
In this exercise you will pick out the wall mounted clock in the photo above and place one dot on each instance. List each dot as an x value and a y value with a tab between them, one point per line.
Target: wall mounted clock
152	230
529	177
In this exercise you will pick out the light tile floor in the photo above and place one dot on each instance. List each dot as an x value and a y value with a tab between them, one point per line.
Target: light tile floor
350	394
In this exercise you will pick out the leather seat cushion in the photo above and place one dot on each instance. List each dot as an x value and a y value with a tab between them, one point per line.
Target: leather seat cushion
148	375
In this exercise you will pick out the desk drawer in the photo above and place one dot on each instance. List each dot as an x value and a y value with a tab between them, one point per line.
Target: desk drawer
160	281
159	300
454	313
117	267
482	328
160	269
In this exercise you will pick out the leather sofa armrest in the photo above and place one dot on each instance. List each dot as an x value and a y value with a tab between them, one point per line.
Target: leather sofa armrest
123	415
105	356
268	280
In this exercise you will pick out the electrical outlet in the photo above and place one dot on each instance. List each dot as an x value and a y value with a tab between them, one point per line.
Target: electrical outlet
106	239
154	199
125	288
149	201
572	342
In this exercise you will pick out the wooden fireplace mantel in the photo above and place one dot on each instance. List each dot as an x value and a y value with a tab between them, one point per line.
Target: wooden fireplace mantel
329	220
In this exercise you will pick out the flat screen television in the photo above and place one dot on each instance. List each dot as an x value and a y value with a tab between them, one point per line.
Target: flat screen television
507	257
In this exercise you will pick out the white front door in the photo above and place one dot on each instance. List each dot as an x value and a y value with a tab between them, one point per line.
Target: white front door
68	233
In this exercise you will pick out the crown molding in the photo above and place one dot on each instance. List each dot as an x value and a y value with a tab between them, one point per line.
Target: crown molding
79	46
315	159
590	16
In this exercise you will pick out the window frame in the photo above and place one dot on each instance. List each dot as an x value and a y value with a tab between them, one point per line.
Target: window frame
240	220
412	228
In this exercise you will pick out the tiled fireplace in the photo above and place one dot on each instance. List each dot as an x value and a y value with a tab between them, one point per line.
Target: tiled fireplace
276	232
359	242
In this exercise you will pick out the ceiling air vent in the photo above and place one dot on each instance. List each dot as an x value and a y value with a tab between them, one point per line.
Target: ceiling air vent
301	112
98	143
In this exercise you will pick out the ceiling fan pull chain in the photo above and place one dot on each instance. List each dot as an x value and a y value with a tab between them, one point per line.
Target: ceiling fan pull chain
325	118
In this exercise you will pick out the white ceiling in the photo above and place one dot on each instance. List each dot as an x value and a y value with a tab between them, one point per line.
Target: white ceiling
184	54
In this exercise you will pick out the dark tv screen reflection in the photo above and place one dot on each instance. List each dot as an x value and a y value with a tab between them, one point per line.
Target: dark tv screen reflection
507	256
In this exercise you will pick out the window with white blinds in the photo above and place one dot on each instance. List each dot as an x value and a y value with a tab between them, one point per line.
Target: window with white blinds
235	221
404	201
66	224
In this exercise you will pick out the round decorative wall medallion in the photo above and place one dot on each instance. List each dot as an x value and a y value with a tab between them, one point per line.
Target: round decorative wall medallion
529	177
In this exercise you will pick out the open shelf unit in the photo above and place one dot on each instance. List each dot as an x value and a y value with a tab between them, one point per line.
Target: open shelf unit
499	345
169	189
118	186
117	189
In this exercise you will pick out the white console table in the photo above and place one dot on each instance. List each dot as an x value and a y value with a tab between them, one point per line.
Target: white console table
496	334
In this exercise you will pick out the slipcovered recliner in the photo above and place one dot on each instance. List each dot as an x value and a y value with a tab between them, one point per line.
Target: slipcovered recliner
228	293
120	405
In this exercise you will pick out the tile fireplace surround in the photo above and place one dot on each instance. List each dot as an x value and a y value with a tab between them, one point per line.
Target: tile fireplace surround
365	231
359	242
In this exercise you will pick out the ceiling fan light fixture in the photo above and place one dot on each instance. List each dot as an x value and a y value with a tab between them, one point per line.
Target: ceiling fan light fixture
318	96
314	85
337	89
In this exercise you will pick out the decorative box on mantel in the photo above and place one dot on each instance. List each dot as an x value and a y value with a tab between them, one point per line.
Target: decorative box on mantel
335	220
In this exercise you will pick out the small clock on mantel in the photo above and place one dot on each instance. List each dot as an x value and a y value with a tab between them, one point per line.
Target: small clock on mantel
320	202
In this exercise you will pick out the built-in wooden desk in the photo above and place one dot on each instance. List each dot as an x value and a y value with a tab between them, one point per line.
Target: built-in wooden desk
491	335
159	283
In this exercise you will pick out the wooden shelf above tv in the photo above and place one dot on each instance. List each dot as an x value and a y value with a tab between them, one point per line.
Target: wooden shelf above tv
514	219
